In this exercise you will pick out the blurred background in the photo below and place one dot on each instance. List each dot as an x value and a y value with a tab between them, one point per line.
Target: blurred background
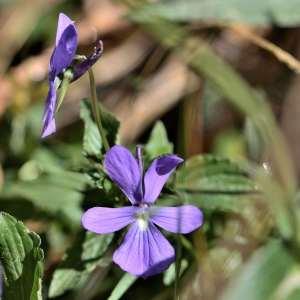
177	61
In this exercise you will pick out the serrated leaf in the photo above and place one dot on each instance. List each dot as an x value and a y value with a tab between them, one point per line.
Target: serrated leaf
111	125
92	143
83	257
255	12
63	280
21	258
158	142
211	202
95	245
123	285
261	275
213	174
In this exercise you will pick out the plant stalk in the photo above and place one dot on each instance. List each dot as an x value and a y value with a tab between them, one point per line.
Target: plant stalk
95	109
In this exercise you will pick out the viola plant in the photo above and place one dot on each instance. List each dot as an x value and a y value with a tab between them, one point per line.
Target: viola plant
144	250
250	246
64	67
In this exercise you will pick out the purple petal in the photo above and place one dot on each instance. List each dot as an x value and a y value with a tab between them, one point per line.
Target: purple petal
123	169
64	51
103	220
62	24
80	68
49	126
62	56
144	252
157	175
181	219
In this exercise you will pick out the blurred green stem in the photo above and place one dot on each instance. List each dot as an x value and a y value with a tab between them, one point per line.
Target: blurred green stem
177	266
95	109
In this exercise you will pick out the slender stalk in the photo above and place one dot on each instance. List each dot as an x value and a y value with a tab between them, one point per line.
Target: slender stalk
178	256
177	266
96	112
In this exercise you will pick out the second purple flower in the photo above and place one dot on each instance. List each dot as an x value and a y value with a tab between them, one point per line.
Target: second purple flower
144	250
62	58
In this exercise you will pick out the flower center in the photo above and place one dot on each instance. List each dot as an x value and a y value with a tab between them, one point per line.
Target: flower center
142	217
142	223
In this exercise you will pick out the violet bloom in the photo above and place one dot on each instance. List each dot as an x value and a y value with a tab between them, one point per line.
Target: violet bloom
144	250
63	58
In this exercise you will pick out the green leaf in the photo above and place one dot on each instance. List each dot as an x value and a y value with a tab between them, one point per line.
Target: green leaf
22	260
158	143
255	12
83	257
294	295
210	201
92	144
261	275
170	273
123	285
214	184
213	174
95	245
64	280
55	194
111	125
230	143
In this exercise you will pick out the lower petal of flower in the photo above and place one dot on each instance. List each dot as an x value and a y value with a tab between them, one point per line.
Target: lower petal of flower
144	252
103	220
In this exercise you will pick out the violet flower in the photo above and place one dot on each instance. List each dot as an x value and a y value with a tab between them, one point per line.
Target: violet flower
144	250
62	59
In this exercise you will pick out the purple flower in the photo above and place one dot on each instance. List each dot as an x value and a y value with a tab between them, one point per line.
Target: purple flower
63	58
144	250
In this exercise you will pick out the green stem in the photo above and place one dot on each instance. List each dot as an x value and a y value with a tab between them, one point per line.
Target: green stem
96	112
177	266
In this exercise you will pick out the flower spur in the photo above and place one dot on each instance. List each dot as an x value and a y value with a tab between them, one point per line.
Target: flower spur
144	250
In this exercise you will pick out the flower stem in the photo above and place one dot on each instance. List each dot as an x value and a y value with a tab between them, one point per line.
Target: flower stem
95	109
177	266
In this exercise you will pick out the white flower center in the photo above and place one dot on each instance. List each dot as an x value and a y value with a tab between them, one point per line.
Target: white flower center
142	223
142	218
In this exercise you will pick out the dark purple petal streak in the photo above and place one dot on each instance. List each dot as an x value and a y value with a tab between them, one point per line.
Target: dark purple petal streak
158	174
80	68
